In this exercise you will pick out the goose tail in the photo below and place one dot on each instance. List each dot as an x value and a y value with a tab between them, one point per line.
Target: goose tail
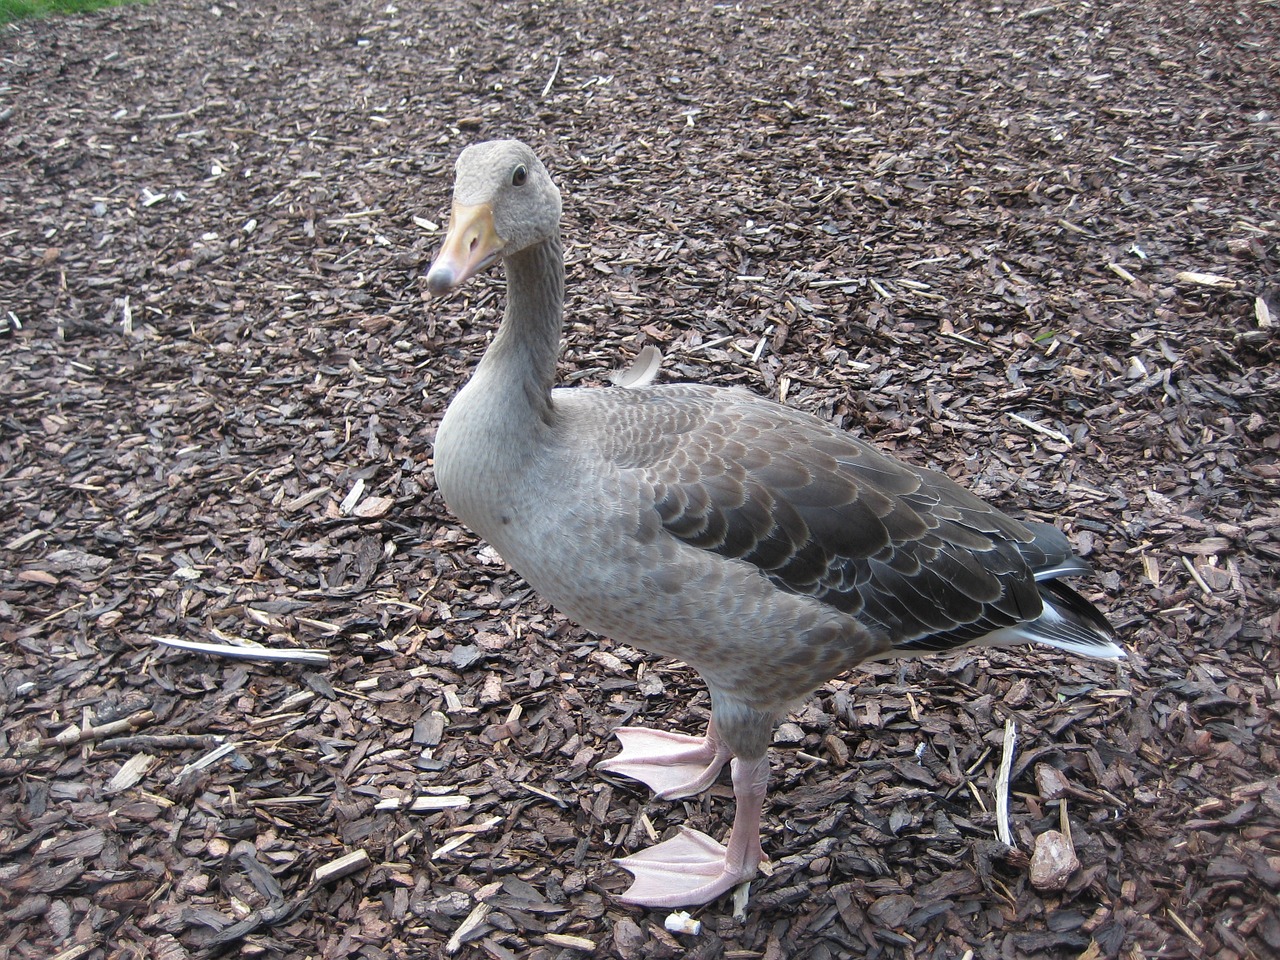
1069	622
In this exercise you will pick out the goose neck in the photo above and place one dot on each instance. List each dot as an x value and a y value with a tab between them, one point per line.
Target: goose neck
527	344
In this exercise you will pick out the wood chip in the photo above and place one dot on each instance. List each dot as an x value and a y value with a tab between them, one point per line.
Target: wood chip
422	804
571	942
344	866
468	928
131	772
1206	280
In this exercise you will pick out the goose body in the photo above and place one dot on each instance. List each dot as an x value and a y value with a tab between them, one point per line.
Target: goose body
764	547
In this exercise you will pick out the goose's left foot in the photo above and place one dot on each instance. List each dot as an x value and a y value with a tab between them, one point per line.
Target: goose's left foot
691	868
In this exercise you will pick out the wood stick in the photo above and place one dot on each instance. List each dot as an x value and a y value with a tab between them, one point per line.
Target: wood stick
555	72
250	651
73	735
1003	833
162	741
1041	428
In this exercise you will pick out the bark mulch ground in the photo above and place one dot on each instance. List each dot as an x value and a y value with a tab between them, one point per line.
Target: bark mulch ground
1033	245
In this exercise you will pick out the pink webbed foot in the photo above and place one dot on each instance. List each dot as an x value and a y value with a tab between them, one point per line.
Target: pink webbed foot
672	765
691	868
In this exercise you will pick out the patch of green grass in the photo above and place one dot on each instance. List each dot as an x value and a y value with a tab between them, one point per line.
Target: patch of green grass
11	10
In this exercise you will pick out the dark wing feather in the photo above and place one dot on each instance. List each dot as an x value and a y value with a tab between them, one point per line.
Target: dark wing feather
823	514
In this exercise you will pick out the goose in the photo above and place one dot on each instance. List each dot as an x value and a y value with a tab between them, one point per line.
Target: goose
764	547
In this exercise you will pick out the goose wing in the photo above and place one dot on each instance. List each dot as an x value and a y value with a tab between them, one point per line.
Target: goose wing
824	514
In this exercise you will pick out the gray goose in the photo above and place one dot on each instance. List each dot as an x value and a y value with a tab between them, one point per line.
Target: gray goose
764	547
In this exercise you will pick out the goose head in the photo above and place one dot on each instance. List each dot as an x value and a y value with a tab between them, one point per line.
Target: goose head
503	202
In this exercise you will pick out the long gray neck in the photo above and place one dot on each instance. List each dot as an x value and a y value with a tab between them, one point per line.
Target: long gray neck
525	348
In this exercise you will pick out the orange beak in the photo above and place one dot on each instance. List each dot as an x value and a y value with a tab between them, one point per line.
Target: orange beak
471	244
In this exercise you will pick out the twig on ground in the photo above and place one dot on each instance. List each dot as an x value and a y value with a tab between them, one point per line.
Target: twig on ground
162	741
555	72
250	651
419	804
1003	833
1041	428
73	735
213	756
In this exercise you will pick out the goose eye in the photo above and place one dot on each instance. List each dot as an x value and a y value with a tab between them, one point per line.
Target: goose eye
519	176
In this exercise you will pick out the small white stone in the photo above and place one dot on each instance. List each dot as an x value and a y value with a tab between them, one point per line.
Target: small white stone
681	922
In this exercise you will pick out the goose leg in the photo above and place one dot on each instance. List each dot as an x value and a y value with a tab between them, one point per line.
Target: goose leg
672	764
691	868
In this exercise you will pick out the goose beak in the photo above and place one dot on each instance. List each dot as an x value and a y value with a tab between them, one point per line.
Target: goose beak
471	244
